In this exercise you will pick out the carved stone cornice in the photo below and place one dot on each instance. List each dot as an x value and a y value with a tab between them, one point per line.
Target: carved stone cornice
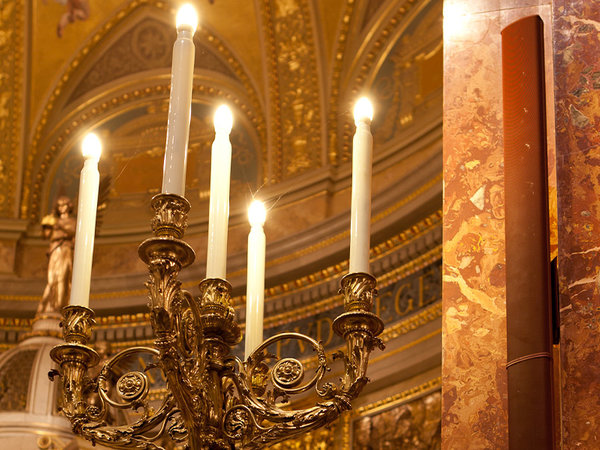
393	259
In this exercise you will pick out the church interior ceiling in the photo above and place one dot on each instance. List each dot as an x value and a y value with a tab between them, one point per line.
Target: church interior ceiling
291	71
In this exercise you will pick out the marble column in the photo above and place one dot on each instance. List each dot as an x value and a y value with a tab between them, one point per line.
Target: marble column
474	382
577	80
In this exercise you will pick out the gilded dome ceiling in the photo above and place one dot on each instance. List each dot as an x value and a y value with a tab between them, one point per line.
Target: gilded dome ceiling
289	69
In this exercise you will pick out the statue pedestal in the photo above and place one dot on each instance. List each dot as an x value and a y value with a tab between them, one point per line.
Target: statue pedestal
29	415
49	322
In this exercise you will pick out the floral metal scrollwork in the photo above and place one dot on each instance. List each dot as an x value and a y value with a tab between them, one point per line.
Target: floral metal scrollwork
288	372
255	421
89	418
215	400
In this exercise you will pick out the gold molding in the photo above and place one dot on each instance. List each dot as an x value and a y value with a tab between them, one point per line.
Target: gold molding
17	323
385	34
413	322
274	121
405	347
379	251
400	398
40	333
287	57
334	301
11	102
126	320
345	234
336	72
324	305
30	198
433	218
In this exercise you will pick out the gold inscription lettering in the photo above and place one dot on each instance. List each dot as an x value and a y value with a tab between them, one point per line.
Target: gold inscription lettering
424	288
411	303
328	326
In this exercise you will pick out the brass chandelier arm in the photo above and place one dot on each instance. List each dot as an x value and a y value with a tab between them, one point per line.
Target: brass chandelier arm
133	386
88	416
215	401
255	421
134	435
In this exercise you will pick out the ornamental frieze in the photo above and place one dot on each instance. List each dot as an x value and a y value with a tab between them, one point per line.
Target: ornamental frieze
404	305
394	303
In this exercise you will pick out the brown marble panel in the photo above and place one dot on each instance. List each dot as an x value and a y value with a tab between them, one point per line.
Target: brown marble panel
577	80
117	259
32	261
7	256
474	405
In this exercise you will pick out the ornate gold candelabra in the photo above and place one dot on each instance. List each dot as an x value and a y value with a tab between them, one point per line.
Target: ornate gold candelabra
214	400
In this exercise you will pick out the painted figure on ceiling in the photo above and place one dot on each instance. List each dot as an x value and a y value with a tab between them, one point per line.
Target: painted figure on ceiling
75	10
59	227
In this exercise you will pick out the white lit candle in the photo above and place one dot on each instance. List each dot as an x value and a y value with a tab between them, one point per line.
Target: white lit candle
86	221
255	284
218	214
360	215
180	105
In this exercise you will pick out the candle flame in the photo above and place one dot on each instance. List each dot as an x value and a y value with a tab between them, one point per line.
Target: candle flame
223	119
257	213
187	18
91	146
363	110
